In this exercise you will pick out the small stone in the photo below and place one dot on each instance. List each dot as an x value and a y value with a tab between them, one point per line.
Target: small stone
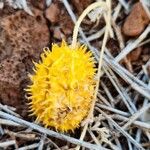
136	21
66	23
40	4
58	34
80	5
135	54
57	14
52	13
146	53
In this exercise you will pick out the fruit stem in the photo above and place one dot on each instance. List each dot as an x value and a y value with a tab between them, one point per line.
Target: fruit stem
108	31
107	6
106	34
82	16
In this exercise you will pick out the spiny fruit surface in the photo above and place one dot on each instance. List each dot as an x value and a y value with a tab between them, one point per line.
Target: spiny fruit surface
62	87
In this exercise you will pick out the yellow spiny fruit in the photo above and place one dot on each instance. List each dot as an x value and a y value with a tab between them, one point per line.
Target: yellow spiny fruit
62	87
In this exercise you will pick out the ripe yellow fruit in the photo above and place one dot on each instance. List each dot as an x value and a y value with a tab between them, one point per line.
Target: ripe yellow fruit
62	87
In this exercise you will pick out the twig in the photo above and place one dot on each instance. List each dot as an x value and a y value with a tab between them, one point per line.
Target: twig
73	17
119	91
118	69
99	33
110	97
93	137
8	143
127	97
29	136
113	110
138	136
124	4
83	133
143	43
126	75
146	144
48	2
116	138
9	109
50	132
129	145
121	44
96	35
32	146
55	145
120	129
103	99
147	134
138	76
41	143
114	147
145	4
137	123
1	130
136	115
105	5
117	10
130	47
21	4
8	122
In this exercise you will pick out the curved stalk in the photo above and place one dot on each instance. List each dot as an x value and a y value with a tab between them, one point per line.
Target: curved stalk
108	31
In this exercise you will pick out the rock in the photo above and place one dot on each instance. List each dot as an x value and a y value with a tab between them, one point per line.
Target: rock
13	80
135	54
58	34
12	72
136	21
66	23
80	5
52	13
5	44
25	32
146	53
22	38
57	14
40	4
